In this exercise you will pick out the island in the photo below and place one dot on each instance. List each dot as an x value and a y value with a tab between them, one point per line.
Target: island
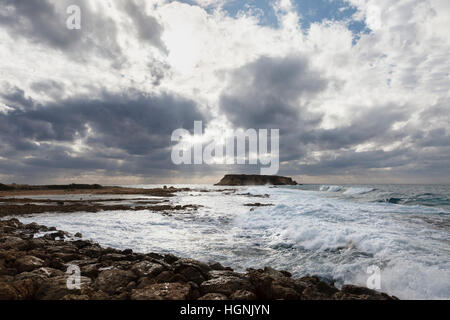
254	180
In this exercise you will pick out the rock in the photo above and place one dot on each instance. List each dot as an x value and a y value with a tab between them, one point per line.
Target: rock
218	266
182	263
8	292
114	257
28	263
191	270
111	280
253	180
213	296
243	295
78	235
312	288
271	284
226	284
90	270
163	291
56	288
93	251
145	282
147	269
165	276
351	292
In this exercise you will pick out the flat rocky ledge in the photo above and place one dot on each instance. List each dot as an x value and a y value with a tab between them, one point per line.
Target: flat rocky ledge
34	261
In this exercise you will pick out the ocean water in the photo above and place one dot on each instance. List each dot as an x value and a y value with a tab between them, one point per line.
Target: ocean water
335	232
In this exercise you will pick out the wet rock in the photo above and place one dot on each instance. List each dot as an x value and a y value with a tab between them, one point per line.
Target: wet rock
312	288
351	292
163	291
111	280
218	266
28	263
78	235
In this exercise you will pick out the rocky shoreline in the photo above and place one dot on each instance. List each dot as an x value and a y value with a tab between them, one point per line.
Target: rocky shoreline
34	261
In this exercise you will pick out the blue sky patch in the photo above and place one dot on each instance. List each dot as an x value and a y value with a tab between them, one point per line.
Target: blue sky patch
310	11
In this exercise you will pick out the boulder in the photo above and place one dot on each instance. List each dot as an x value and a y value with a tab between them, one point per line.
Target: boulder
28	263
312	288
147	269
351	292
271	284
113	279
226	283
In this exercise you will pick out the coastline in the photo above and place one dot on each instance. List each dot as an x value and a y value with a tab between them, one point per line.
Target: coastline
34	260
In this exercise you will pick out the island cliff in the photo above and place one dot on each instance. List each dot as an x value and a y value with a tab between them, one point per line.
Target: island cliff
254	180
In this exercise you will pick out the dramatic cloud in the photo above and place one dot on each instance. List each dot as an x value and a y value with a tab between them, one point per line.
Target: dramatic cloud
358	88
113	132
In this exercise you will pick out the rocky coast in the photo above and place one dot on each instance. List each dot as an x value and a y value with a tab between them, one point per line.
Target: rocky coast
37	263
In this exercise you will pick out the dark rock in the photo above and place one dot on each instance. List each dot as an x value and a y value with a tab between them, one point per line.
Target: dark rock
111	280
271	284
147	269
253	180
351	292
182	264
28	263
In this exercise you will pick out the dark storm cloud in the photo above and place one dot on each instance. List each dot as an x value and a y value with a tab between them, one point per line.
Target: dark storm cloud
272	93
128	133
277	93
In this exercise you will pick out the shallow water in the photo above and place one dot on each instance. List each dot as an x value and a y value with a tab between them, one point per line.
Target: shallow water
336	233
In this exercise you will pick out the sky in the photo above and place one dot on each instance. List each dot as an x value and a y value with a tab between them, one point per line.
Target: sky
359	89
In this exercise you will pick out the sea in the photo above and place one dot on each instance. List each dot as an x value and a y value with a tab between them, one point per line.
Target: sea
338	232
